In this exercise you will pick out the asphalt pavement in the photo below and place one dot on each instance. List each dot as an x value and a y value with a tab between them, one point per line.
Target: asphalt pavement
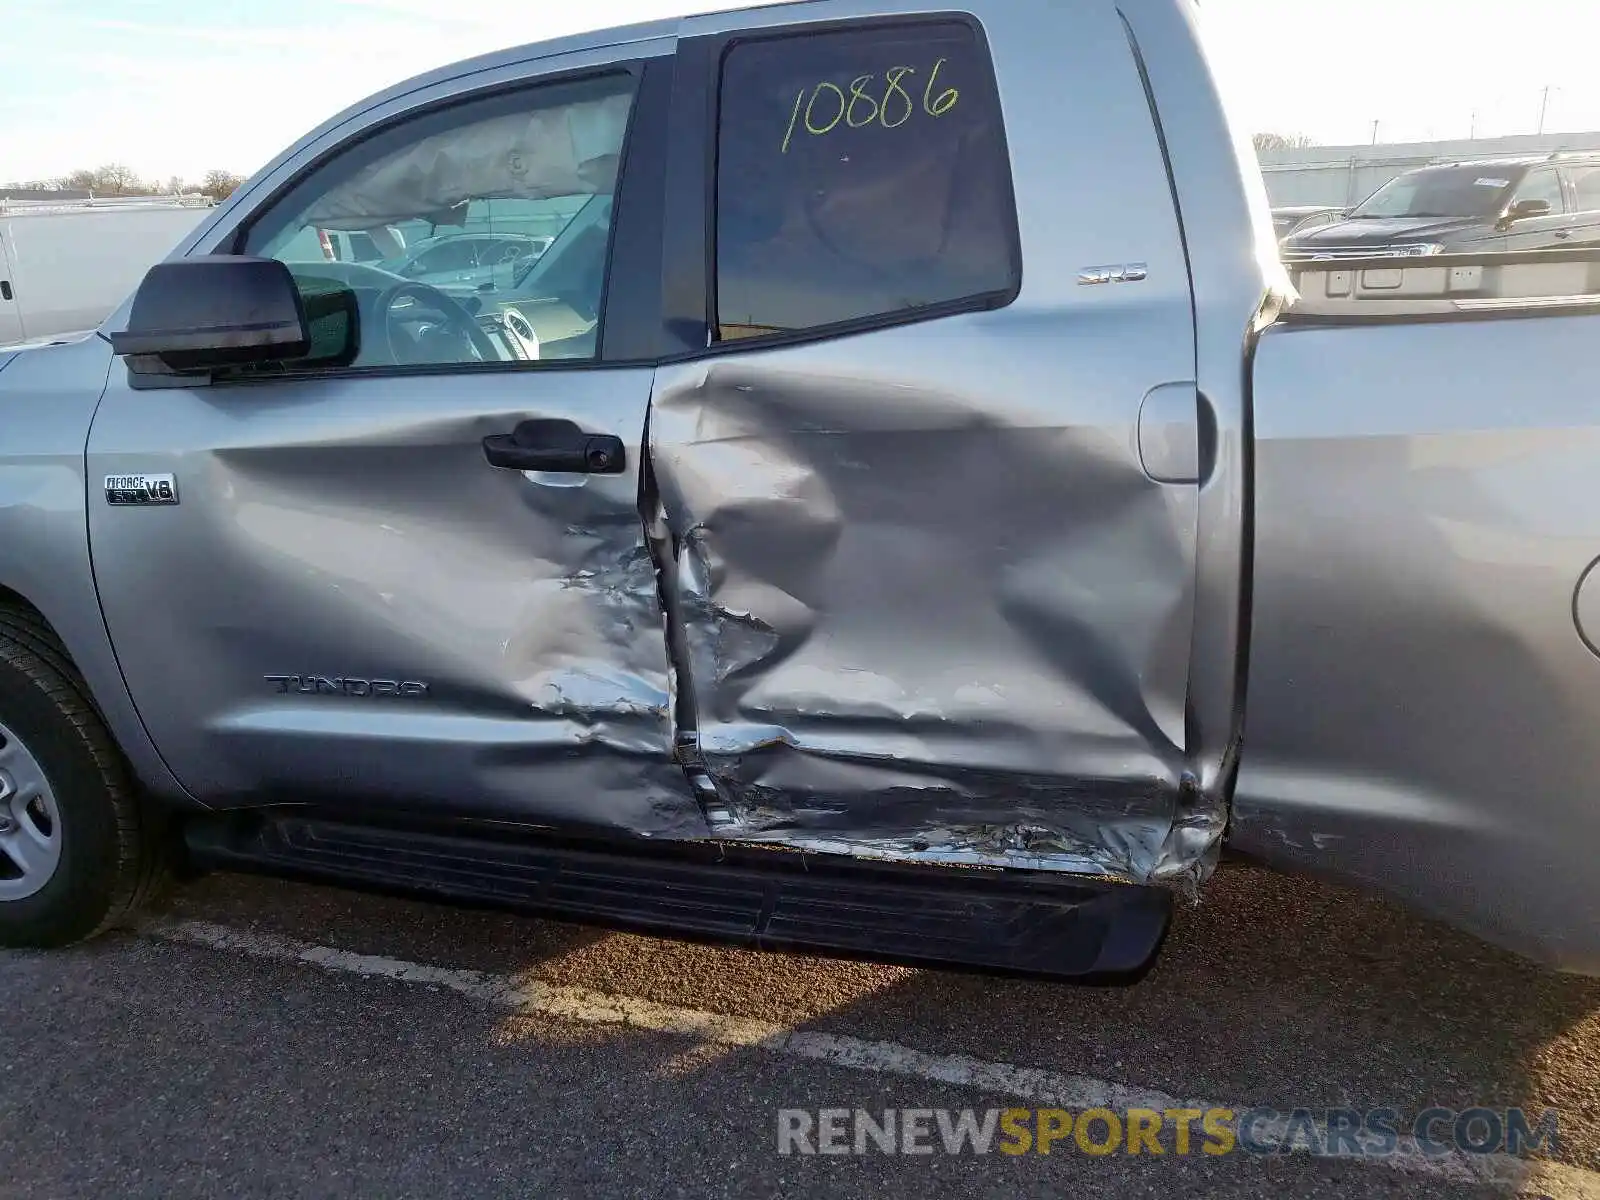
260	1038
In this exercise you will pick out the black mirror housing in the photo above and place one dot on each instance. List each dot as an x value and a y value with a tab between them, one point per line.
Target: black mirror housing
193	315
1522	210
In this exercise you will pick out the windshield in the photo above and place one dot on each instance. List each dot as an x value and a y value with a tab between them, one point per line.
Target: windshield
1440	192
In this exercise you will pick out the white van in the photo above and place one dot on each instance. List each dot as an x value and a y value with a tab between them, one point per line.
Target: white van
64	267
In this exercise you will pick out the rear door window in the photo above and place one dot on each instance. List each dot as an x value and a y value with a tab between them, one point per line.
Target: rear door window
1586	188
861	174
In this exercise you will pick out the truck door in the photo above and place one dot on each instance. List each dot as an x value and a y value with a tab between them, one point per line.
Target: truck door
325	585
10	307
933	489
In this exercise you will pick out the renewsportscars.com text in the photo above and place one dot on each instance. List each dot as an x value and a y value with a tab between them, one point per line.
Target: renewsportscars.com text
1340	1133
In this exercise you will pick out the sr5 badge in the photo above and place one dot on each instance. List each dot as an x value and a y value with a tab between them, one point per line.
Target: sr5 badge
141	489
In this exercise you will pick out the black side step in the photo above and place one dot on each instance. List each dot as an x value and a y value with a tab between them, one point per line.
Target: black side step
1009	922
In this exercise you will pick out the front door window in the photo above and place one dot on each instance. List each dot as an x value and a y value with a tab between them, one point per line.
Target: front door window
1541	185
536	168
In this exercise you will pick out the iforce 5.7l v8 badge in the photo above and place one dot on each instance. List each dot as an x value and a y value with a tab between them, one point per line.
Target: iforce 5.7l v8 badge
141	489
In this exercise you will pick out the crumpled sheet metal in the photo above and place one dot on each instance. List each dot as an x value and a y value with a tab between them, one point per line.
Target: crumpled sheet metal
536	622
562	150
600	685
586	660
879	667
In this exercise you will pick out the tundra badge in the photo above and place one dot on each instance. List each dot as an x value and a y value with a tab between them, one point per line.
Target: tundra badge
347	685
141	489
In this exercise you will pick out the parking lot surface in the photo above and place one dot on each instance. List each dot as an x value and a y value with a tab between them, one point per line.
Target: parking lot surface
261	1038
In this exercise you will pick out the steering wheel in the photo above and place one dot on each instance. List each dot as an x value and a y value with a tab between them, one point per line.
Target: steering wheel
455	317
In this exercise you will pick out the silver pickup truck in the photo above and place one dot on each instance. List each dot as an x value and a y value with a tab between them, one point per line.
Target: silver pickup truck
906	512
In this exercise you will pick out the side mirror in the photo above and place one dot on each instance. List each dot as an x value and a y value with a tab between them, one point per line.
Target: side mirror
194	315
1523	209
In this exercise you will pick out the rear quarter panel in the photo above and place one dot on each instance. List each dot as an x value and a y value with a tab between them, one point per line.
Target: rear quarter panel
1422	708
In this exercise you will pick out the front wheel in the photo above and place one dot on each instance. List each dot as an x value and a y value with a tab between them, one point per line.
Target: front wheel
79	850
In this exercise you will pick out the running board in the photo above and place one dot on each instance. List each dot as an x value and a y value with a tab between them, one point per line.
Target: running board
1007	922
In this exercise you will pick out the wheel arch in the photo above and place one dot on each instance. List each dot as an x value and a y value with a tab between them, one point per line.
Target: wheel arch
85	649
83	850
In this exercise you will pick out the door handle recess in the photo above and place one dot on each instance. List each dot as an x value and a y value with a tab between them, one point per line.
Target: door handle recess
5	289
556	445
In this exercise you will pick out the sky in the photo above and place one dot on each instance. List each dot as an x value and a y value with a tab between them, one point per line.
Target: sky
180	87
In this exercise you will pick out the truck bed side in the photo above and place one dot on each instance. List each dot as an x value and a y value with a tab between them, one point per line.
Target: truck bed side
1422	680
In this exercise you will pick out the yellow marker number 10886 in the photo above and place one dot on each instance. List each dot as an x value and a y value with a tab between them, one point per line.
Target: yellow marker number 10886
830	105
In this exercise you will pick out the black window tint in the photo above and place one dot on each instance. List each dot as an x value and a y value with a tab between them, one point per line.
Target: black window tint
860	174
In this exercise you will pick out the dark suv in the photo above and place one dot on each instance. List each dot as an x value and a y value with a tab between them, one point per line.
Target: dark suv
1505	204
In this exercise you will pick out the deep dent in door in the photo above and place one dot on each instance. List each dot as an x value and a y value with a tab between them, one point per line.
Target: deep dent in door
1010	714
335	538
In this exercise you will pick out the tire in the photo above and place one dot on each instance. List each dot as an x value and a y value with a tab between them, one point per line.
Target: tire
96	854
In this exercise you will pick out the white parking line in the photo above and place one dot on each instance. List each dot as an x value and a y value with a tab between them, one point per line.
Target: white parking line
1034	1084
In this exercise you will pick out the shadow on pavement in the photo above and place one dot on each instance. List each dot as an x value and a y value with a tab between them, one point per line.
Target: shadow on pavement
1276	991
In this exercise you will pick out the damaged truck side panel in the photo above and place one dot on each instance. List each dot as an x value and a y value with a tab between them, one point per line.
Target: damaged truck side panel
932	590
317	530
893	474
938	579
347	523
919	624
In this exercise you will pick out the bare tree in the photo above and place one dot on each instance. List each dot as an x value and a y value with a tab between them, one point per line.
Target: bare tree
219	185
1281	141
116	179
